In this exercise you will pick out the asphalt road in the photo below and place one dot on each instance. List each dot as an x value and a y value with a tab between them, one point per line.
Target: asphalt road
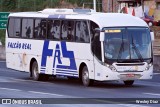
15	84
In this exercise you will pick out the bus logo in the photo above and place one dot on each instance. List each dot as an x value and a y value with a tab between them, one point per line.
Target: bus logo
59	48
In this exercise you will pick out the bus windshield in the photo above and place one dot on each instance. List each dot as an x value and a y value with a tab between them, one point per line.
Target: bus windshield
124	44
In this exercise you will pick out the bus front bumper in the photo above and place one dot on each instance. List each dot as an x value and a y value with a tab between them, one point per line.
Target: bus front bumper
111	75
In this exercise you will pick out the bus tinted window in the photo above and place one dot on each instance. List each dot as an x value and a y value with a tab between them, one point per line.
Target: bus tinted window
27	28
82	33
71	30
95	40
40	29
56	29
10	27
64	30
14	27
67	30
50	29
17	26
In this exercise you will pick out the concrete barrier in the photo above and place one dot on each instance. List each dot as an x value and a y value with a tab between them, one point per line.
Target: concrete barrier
156	63
2	52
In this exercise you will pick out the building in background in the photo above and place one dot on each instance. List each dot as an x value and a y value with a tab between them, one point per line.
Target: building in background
148	10
110	5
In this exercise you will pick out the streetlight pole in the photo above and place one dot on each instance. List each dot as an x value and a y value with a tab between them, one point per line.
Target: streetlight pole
34	5
112	6
94	4
19	5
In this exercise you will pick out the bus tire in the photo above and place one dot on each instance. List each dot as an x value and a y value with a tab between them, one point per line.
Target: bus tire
85	77
35	72
129	82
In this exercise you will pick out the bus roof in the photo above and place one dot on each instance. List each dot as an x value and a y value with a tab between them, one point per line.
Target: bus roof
102	19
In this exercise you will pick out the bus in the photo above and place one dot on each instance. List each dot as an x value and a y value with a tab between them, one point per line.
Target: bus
79	43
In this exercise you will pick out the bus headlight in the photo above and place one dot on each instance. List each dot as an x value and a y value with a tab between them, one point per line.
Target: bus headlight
148	66
112	68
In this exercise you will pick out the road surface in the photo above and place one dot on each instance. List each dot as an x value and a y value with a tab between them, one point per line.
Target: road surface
15	84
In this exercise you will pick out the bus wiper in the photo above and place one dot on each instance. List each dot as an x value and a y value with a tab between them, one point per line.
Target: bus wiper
120	51
121	48
136	50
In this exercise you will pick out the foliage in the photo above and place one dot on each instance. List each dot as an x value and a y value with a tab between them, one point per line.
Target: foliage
37	5
8	5
2	36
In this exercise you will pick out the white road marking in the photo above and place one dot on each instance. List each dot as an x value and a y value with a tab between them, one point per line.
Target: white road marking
156	73
2	61
35	92
23	80
132	105
9	89
155	94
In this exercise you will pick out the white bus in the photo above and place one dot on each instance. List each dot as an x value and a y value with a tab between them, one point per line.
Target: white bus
79	43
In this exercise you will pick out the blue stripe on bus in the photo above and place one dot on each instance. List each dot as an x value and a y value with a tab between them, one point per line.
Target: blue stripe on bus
67	73
43	68
67	54
62	70
66	70
58	53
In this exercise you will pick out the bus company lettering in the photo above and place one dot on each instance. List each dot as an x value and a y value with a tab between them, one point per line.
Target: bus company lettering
57	56
18	45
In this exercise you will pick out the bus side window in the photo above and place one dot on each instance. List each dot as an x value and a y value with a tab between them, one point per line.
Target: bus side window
71	29
64	30
95	40
82	33
50	29
67	30
14	27
97	46
56	29
27	28
17	26
11	27
37	28
40	29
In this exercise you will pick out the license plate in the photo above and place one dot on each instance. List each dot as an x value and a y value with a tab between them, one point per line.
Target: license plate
130	75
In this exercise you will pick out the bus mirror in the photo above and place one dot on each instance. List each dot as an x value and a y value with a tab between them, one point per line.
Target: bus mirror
97	30
152	36
102	36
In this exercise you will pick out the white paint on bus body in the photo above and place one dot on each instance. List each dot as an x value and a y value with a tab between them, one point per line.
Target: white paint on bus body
65	58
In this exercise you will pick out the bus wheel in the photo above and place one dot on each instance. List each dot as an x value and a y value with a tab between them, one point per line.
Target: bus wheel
129	82
35	73
85	77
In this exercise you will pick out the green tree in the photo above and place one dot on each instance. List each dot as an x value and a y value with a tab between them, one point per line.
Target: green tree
8	5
